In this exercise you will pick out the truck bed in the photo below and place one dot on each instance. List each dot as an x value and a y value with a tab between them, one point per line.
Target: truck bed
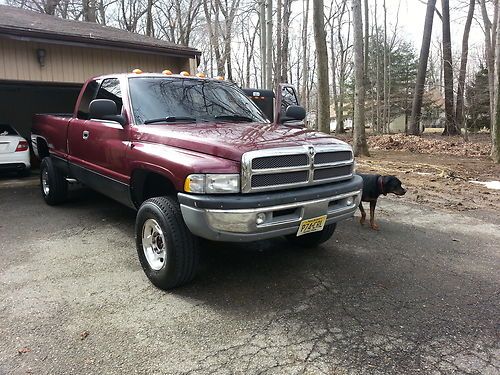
53	128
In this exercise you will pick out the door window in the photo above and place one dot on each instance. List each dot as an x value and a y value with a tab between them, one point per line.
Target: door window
88	95
288	98
110	89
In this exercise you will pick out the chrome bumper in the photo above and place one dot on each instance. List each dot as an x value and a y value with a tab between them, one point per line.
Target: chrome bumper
240	225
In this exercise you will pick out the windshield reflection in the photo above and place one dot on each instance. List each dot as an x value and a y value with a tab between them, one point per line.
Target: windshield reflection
204	100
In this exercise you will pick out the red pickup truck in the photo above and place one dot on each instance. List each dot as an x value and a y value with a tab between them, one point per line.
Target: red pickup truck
196	157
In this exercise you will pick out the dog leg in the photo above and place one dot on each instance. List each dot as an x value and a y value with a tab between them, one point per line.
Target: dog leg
363	214
372	215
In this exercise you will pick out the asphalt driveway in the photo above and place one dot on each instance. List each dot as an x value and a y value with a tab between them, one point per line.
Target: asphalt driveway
420	296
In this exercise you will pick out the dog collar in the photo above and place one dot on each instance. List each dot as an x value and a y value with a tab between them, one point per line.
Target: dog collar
380	181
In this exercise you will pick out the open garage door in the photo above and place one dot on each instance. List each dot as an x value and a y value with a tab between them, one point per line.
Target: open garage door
19	101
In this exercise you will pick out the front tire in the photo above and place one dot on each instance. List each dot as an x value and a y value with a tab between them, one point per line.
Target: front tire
313	239
167	250
52	183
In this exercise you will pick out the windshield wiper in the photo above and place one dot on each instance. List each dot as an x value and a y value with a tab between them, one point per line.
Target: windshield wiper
170	119
234	118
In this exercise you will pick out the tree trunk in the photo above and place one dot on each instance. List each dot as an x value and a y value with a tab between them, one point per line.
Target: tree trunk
338	127
287	9
279	42
305	57
323	91
490	63
149	18
450	127
495	131
342	68
269	45
89	11
367	38
416	111
377	73
263	39
463	67
385	67
50	6
359	139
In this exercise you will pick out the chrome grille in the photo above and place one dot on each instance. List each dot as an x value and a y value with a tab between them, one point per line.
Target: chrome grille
290	167
283	161
327	173
261	180
332	157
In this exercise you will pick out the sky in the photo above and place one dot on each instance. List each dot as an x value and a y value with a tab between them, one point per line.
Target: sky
412	17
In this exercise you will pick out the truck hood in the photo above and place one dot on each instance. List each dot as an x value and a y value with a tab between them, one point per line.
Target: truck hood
229	140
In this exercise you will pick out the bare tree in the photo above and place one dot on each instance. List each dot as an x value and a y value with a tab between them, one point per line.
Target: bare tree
287	11
463	66
323	91
495	130
450	127
305	55
416	111
359	139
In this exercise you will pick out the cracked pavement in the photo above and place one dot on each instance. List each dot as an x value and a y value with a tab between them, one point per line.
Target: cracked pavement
421	296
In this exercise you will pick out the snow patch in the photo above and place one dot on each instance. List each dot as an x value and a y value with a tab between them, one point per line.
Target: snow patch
495	185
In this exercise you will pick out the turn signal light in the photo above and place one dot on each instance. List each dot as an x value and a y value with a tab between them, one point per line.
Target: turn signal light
22	146
167	72
184	73
137	71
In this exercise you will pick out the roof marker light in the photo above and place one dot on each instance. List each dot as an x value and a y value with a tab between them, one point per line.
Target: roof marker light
137	71
220	78
167	72
201	75
184	73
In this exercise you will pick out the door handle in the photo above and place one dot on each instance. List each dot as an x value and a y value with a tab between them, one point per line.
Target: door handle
85	134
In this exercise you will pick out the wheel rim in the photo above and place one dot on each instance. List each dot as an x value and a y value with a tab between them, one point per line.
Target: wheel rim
45	181
154	244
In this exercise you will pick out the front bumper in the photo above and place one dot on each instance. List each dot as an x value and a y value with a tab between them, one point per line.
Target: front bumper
234	218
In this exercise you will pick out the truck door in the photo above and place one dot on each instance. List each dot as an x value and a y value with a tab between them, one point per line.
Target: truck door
98	147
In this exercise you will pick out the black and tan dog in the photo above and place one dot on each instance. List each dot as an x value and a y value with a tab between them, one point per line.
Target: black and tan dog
373	186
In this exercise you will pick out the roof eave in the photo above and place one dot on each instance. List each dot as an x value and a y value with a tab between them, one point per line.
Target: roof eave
36	35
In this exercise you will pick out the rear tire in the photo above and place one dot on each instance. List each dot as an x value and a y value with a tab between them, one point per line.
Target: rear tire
52	183
167	250
313	239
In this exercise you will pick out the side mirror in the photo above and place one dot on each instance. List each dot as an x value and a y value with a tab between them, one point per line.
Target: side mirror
294	113
105	109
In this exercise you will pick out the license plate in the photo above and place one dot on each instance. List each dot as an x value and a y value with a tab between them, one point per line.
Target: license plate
315	224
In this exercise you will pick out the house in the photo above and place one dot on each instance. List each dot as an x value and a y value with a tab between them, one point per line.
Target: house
44	60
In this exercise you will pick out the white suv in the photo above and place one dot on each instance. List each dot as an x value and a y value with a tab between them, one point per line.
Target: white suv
14	150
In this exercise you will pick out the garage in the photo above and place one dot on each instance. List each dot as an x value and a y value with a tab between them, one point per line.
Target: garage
44	60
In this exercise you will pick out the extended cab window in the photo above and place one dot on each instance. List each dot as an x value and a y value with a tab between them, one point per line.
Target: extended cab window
88	95
110	89
156	98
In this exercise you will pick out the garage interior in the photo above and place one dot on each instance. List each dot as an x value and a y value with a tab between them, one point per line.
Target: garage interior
20	100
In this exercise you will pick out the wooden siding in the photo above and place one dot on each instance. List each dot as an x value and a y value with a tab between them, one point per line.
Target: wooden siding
75	64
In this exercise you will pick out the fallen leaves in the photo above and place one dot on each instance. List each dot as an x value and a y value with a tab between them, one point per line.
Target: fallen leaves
428	145
480	144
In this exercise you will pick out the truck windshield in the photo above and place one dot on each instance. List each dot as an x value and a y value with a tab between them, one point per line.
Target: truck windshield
155	98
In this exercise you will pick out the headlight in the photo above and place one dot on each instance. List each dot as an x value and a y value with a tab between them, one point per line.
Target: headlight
212	183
